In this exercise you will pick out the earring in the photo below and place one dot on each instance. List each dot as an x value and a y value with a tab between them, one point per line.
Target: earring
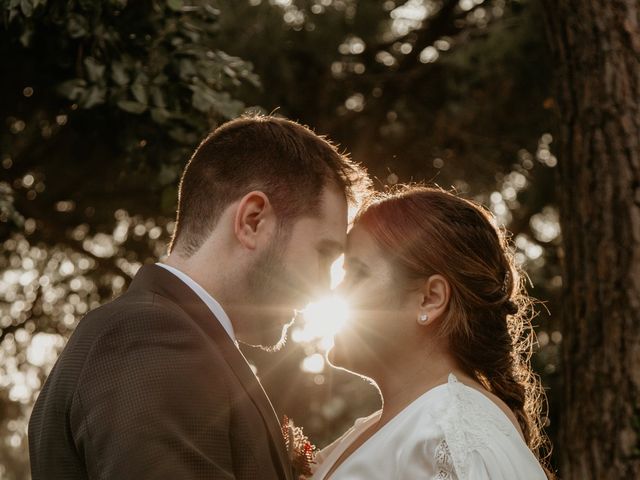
423	318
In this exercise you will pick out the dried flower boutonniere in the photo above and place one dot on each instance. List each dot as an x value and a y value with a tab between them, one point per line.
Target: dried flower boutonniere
301	451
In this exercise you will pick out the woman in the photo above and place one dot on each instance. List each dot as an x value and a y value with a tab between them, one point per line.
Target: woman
440	325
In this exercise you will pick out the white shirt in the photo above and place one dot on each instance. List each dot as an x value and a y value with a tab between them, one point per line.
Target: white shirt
451	432
213	305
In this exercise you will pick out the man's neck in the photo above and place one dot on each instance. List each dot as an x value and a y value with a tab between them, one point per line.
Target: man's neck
210	280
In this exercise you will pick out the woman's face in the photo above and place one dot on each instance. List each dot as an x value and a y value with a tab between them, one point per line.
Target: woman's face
383	309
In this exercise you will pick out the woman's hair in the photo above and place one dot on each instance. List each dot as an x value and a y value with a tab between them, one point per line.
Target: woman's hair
427	230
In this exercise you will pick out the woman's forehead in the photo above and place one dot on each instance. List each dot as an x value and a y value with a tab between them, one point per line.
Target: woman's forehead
362	247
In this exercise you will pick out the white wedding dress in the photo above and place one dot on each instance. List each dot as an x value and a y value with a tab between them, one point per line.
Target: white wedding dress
451	432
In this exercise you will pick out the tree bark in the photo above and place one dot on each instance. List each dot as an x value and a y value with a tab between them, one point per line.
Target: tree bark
596	45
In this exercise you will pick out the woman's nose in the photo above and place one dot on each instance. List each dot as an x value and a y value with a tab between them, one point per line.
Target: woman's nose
346	291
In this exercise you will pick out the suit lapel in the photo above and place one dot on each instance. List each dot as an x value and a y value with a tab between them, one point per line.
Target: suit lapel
165	283
254	388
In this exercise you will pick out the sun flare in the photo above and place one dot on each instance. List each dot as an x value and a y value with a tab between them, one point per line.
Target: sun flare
326	316
323	318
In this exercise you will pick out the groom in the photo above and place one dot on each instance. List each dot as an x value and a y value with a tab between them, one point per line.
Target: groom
152	385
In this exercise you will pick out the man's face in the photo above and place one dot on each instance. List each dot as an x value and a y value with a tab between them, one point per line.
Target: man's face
296	268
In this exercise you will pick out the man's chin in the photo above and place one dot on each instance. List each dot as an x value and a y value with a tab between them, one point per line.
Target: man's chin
270	341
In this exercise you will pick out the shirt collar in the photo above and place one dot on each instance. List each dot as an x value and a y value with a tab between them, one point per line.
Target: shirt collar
213	305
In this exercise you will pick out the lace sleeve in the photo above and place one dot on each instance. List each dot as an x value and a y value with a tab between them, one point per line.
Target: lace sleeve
481	443
444	463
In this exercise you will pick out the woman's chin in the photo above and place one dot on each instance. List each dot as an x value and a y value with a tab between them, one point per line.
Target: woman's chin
335	355
340	356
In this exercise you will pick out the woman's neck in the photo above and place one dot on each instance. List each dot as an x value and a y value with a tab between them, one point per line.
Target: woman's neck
402	381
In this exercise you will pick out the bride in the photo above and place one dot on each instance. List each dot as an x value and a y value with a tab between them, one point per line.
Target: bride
440	326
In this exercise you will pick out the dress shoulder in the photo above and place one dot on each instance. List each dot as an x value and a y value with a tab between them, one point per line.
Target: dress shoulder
482	441
451	432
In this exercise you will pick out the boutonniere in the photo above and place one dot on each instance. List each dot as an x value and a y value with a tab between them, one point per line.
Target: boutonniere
301	451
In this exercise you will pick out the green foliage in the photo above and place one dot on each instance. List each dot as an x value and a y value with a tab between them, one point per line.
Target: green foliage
140	69
152	57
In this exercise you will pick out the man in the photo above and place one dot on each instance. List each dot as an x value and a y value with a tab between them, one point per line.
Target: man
152	385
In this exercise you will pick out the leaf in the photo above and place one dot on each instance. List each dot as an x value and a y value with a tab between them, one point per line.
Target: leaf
118	3
187	69
95	70
13	14
27	7
201	99
131	107
27	35
205	99
94	96
160	79
214	12
73	89
229	71
140	92
180	135
77	26
160	115
119	74
158	97
88	5
175	5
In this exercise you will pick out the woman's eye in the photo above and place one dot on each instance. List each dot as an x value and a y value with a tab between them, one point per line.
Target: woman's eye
355	275
326	259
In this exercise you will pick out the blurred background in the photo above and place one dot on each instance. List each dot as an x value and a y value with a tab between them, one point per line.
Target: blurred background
103	102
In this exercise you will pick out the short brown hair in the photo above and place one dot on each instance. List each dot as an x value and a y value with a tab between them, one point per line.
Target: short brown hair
285	160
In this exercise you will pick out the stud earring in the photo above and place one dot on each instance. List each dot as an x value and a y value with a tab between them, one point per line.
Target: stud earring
423	318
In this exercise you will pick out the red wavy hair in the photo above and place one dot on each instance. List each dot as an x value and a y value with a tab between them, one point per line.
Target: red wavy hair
426	230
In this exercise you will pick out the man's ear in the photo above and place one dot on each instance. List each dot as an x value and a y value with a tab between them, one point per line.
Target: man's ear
253	218
436	293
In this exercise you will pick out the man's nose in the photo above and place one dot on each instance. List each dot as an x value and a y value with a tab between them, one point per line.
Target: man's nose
322	286
343	290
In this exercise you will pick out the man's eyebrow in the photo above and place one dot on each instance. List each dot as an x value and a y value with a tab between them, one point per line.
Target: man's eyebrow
330	246
355	262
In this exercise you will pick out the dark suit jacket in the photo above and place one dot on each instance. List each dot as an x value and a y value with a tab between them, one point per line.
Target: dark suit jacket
150	386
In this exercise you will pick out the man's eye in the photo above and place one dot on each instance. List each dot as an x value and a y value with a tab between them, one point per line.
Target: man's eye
327	257
356	275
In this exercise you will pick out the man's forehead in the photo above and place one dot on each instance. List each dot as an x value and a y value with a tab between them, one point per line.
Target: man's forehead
328	234
333	203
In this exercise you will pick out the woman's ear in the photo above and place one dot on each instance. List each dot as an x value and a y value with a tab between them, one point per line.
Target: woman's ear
253	216
436	293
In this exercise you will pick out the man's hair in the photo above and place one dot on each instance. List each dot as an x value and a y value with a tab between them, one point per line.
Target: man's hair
285	160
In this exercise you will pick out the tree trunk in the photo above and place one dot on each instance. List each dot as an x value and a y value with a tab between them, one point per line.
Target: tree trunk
596	45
